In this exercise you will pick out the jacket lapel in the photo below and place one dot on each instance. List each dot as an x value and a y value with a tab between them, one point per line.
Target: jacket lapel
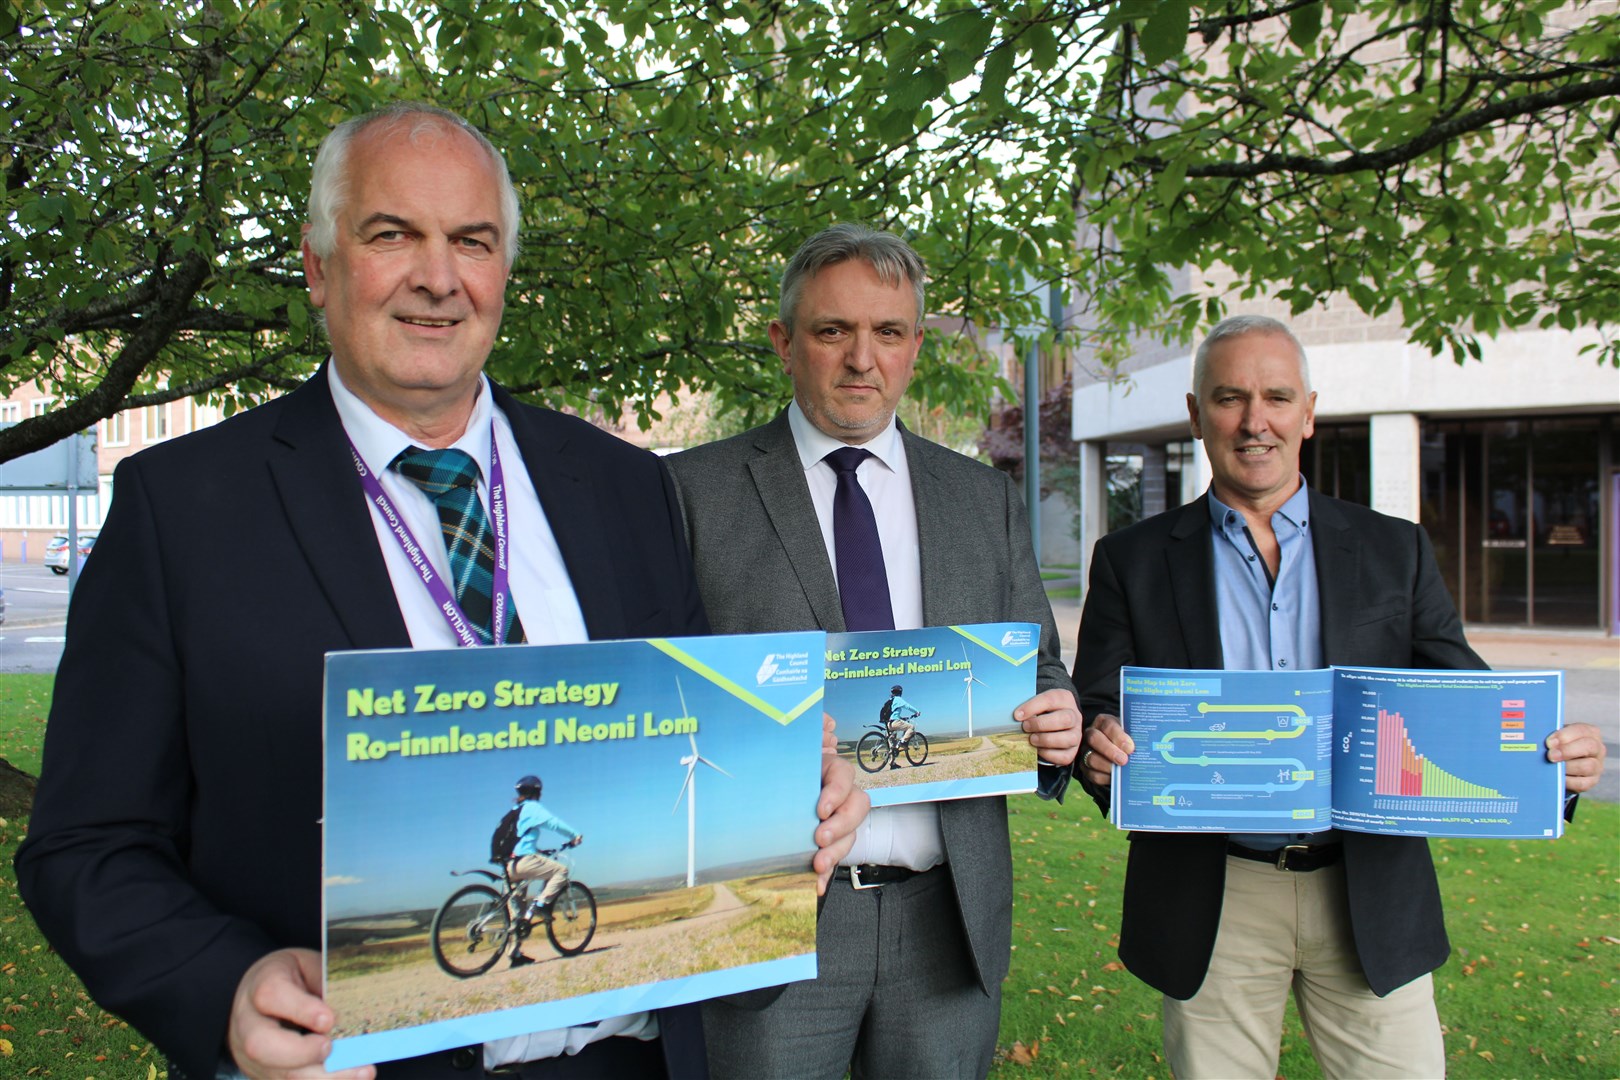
935	506
1190	563
562	480
312	468
1338	573
779	480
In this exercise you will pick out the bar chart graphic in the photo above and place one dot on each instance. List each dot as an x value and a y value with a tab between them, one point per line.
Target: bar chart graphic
1401	770
1458	753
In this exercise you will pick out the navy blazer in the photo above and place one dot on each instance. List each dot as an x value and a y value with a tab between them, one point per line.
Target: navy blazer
1151	602
175	836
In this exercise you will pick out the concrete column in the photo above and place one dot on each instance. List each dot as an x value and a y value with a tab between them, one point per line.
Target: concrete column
1397	488
1093	502
1195	479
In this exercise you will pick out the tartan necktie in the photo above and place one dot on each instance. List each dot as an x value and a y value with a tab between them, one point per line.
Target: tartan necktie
450	479
863	585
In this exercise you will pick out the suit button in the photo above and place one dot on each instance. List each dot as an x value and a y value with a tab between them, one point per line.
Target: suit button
465	1057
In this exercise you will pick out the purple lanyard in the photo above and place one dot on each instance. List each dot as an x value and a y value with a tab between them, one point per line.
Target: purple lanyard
430	578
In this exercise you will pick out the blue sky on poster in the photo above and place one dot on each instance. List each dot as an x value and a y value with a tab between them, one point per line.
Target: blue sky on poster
396	827
941	696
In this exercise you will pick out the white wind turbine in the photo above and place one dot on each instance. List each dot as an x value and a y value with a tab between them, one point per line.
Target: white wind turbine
689	793
967	681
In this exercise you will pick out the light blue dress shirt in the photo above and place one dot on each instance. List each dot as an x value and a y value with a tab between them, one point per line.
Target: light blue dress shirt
1268	625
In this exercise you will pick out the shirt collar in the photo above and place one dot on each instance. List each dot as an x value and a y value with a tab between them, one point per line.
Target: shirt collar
379	442
814	444
1296	511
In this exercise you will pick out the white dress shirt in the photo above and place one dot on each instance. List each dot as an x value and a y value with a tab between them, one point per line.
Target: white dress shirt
541	591
906	835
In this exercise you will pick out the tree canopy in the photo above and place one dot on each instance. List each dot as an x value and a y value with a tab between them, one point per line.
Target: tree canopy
1451	158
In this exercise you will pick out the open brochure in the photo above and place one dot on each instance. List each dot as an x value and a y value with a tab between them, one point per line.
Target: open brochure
690	770
1407	752
927	714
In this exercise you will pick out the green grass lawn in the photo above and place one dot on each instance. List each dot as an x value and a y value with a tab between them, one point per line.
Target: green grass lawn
1530	990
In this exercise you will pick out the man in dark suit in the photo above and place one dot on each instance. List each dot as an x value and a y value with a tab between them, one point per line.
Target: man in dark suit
1262	573
915	935
174	855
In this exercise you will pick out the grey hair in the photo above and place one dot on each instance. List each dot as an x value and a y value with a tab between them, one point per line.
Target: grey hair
892	258
1237	326
329	180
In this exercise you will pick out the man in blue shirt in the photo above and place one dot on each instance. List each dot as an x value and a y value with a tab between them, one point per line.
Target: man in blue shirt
526	863
1263	573
900	714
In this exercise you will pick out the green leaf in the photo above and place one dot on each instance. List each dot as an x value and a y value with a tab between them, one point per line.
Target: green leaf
1305	24
993	83
1164	34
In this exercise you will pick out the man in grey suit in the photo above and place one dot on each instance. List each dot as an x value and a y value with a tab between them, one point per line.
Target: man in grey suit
834	516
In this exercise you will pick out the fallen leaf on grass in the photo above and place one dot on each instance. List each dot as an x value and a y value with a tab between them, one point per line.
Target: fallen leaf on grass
1488	1056
1113	965
5	1048
1021	1055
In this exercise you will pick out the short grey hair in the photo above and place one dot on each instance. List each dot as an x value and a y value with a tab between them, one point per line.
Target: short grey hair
889	255
329	181
1238	326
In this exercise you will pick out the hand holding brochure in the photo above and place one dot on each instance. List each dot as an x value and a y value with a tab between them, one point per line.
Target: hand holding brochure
1405	752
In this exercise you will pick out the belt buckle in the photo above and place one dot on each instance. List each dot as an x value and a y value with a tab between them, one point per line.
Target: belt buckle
855	880
1282	853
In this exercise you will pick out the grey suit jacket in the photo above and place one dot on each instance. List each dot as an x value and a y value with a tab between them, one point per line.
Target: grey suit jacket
762	566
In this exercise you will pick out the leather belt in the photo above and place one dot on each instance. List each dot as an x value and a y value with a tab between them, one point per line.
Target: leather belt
870	876
1301	858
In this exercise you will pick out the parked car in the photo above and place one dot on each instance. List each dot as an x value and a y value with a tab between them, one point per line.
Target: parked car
56	551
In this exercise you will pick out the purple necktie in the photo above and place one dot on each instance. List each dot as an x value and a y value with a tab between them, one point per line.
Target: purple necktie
863	587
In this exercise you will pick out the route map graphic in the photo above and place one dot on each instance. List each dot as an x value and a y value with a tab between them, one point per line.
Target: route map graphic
1229	751
1430	753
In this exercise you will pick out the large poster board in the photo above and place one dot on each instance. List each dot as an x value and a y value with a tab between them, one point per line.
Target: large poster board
690	767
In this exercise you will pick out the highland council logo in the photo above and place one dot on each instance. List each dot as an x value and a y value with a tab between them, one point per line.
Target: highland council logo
1017	638
783	669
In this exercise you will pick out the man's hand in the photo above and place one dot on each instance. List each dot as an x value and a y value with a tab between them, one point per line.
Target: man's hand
841	808
279	1023
1106	744
829	734
1052	721
1580	747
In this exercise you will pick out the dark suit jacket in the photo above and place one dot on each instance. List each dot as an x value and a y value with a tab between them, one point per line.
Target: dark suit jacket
1151	601
175	837
762	566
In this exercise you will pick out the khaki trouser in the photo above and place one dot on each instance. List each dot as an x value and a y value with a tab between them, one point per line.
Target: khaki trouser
1282	929
539	867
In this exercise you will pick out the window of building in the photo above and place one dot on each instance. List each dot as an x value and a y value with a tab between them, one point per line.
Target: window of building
40	406
155	423
1513	508
115	430
1337	461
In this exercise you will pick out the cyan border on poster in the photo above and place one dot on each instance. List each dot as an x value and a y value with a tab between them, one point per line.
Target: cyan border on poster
1013	783
545	1016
